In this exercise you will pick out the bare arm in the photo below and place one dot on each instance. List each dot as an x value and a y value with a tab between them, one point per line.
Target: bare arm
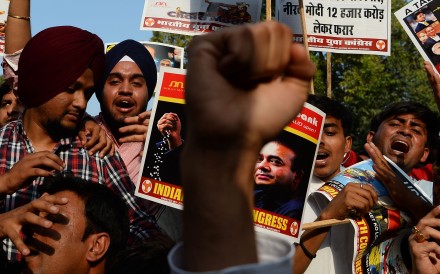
18	31
352	197
236	78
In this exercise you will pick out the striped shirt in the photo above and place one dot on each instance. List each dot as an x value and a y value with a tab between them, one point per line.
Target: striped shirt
110	170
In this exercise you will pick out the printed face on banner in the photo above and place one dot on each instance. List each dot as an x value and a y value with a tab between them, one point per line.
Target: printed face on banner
422	26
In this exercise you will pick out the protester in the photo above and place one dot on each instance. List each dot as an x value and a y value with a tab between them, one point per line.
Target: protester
128	83
18	33
10	107
44	140
228	122
335	142
77	228
406	133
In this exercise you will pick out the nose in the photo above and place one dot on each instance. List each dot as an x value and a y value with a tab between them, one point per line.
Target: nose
125	88
405	130
14	108
263	165
80	100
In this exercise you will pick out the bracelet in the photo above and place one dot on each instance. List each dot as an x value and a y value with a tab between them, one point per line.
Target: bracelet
20	17
306	251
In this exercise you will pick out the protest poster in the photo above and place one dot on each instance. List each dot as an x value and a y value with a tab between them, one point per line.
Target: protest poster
164	55
420	21
160	181
279	204
374	238
4	6
198	16
346	26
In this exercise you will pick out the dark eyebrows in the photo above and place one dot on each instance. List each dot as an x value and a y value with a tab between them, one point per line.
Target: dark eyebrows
327	125
271	157
119	75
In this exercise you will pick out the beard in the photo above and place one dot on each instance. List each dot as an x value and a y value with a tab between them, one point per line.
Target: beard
58	130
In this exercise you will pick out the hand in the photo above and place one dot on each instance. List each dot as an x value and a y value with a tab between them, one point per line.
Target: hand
136	128
243	85
169	125
404	198
37	164
434	80
12	222
426	255
352	197
241	90
98	139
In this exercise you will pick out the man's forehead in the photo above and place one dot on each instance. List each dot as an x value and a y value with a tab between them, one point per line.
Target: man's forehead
408	117
127	67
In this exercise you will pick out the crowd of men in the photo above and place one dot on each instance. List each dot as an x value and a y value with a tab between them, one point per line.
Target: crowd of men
67	179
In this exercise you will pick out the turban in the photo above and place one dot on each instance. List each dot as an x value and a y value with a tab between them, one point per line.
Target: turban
139	54
54	59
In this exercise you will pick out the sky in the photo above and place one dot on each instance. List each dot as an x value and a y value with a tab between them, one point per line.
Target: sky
111	20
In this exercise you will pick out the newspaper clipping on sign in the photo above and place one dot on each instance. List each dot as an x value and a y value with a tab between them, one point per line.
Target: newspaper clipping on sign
376	237
345	26
279	200
420	21
198	16
164	55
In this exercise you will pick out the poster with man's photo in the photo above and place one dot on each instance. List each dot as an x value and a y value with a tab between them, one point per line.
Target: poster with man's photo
282	174
421	24
164	55
160	181
282	171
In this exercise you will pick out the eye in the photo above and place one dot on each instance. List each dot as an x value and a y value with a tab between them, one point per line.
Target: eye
114	82
5	103
260	158
276	162
329	133
137	84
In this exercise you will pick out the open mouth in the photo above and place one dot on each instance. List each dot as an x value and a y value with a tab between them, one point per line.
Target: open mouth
124	104
322	156
400	146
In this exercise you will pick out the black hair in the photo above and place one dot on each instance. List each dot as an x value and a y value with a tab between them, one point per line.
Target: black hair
335	109
4	89
104	210
420	111
144	257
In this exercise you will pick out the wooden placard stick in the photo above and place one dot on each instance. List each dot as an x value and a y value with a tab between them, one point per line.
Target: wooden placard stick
324	223
305	38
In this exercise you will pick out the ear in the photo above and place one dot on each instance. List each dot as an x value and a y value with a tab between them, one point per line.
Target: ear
348	143
425	155
297	179
370	136
99	244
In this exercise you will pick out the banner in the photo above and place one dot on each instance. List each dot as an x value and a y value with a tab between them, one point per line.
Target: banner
355	26
198	16
420	21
